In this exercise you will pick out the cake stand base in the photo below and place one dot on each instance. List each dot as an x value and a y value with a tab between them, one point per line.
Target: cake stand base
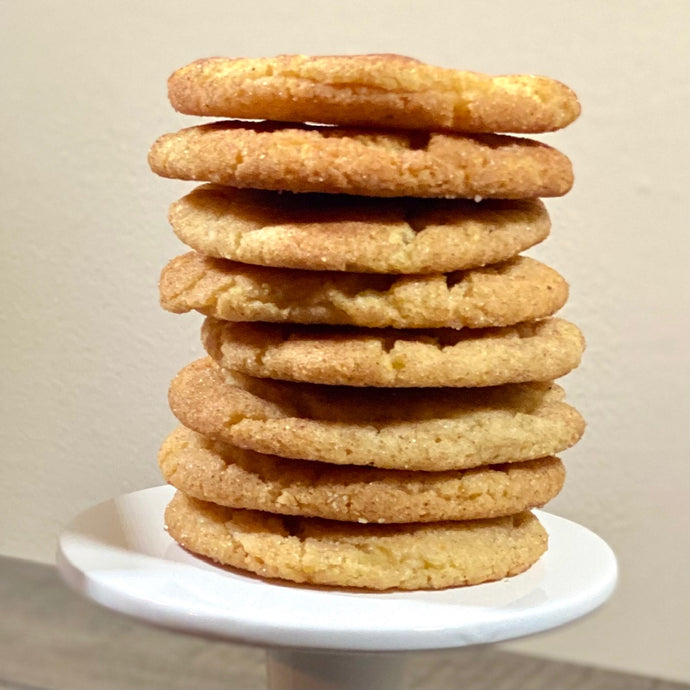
119	555
288	669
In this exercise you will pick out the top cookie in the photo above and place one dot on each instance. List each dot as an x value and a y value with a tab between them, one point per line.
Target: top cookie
371	90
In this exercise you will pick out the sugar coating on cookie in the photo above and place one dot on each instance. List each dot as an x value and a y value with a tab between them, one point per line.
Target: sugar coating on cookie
231	476
305	158
530	351
353	233
371	90
326	552
516	290
403	429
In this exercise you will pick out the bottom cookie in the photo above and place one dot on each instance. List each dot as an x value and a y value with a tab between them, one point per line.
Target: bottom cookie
324	552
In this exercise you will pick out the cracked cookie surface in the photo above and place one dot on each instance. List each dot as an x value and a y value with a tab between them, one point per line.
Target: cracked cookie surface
326	552
409	429
304	158
352	233
513	291
370	90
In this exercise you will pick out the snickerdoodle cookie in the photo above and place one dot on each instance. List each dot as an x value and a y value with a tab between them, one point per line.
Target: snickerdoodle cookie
231	476
510	292
354	233
529	351
371	90
306	158
431	555
411	429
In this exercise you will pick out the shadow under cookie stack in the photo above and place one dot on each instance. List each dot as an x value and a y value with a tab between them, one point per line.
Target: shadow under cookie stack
377	408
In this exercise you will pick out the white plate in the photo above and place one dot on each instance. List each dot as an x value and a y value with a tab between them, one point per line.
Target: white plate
119	555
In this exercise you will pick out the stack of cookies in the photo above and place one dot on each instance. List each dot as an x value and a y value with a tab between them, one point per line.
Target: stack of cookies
377	406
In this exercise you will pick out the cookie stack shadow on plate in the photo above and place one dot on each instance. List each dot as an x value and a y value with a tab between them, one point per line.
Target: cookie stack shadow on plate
377	407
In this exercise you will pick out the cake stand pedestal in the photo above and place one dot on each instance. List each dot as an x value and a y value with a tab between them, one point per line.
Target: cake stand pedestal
119	555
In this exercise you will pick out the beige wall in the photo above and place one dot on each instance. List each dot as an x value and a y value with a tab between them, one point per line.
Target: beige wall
87	354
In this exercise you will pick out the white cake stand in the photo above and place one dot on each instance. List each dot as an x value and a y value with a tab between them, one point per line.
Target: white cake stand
119	555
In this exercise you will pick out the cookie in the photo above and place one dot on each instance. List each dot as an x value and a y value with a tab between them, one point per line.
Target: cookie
231	476
371	90
516	290
305	158
326	552
530	351
353	233
403	429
